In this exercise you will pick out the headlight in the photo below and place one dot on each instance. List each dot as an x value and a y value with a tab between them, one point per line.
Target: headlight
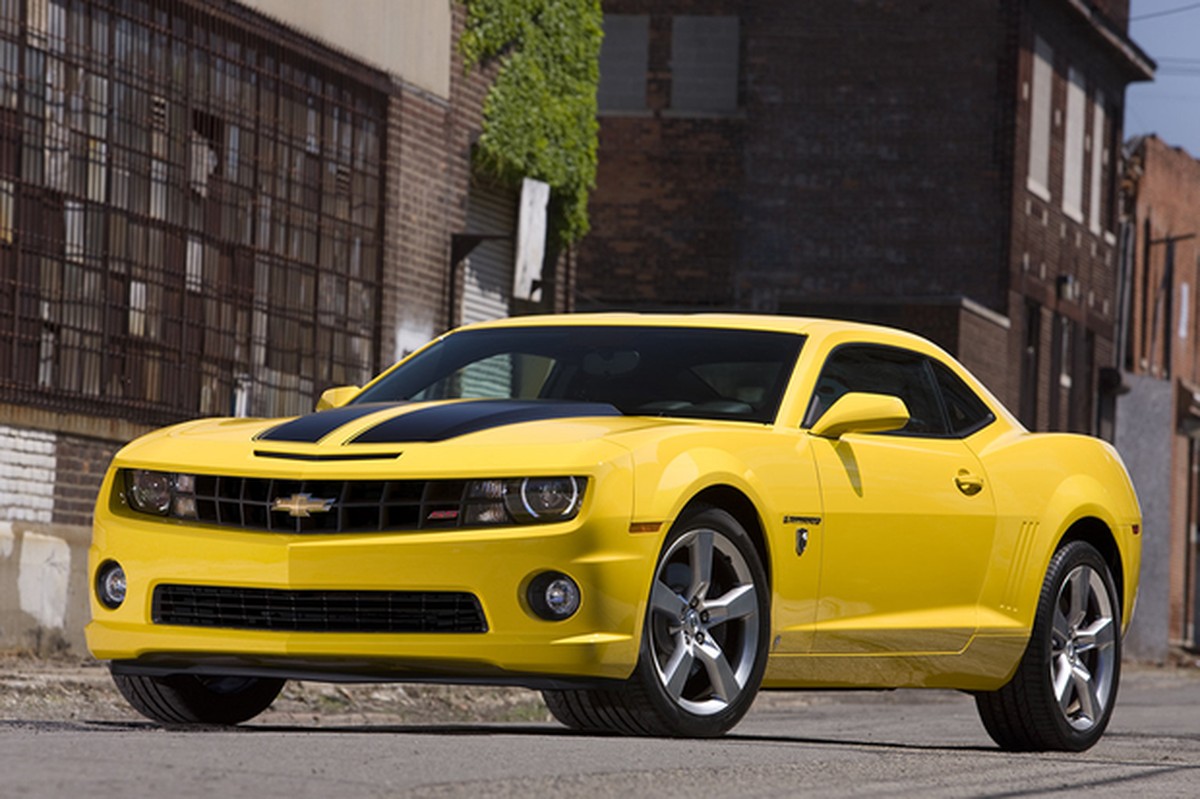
161	493
542	499
524	500
149	492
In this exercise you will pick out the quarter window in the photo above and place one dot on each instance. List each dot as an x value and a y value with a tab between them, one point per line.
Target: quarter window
965	412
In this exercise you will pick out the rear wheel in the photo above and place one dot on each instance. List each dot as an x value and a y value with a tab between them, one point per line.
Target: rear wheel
1062	695
704	643
189	699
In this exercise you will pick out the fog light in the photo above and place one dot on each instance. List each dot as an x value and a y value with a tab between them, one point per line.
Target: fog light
110	585
554	596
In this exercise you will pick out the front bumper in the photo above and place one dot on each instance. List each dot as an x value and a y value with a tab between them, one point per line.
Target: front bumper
612	567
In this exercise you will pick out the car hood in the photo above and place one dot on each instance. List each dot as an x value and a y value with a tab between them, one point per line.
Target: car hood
433	437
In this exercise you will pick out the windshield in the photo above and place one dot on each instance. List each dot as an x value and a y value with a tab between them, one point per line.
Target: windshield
657	371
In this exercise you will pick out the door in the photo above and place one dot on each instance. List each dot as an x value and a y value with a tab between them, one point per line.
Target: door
909	519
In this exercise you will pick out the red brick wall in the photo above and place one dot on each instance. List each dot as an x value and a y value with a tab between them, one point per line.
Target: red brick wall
1167	206
1165	331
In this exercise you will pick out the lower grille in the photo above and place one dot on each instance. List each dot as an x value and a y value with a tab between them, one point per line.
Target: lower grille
319	611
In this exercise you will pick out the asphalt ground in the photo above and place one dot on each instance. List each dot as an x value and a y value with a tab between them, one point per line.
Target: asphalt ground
64	732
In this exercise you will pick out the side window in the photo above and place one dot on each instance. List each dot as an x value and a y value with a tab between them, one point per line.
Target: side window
966	411
881	370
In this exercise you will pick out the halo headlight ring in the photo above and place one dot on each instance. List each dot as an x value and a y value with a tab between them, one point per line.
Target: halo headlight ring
543	499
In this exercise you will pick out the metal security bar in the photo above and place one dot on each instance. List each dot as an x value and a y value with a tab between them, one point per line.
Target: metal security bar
190	211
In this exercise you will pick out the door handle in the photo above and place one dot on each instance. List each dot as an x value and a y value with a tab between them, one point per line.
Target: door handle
968	483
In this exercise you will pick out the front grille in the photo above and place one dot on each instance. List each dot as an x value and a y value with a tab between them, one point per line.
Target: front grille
353	505
318	611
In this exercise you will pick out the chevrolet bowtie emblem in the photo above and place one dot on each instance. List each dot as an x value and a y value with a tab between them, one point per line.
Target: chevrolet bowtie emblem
302	505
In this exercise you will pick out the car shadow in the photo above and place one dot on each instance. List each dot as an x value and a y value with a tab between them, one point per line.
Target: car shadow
453	730
499	729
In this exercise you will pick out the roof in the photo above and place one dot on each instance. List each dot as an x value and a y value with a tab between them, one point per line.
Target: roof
785	324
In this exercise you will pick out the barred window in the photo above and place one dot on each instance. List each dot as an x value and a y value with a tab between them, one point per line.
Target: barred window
189	213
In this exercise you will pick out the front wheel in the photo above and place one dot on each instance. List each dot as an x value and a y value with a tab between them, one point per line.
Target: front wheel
704	643
1062	695
189	699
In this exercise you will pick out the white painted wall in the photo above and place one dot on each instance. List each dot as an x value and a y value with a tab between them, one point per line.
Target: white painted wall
28	469
409	39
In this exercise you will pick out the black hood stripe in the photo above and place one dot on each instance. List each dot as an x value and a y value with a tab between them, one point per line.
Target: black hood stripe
457	419
312	428
301	456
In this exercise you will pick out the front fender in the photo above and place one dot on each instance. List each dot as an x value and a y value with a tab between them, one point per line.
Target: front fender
662	493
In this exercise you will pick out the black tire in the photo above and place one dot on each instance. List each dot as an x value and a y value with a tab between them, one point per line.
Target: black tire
704	643
1062	694
188	699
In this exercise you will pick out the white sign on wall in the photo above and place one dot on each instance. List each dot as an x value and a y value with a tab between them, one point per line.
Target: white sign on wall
531	240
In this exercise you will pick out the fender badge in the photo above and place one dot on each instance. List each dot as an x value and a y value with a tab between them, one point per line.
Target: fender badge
814	520
801	540
301	505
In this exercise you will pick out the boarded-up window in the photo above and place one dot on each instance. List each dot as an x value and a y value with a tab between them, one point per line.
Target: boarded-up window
1039	119
1099	161
1073	147
623	62
704	64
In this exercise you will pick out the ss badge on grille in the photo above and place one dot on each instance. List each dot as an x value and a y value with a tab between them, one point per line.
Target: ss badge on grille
302	505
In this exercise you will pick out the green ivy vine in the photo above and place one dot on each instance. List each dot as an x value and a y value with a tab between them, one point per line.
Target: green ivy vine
539	117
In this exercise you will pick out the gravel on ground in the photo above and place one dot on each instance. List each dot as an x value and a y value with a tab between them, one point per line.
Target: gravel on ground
75	688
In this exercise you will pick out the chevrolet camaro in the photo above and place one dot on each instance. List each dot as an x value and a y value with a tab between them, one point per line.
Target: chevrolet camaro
648	518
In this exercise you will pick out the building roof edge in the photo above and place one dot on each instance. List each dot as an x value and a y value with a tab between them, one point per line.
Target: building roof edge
1137	62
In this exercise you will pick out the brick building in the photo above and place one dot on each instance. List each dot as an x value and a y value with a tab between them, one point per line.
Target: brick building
1158	415
208	208
948	167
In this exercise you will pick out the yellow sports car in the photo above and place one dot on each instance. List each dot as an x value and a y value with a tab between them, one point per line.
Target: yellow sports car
646	517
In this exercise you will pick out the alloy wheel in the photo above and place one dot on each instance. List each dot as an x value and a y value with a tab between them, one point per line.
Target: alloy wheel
1082	648
704	622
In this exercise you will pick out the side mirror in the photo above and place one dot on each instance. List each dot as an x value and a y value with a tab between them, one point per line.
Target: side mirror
859	412
336	397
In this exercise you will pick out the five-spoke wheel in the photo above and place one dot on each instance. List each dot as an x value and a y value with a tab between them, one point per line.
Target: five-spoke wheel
704	621
1083	643
1062	694
704	642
